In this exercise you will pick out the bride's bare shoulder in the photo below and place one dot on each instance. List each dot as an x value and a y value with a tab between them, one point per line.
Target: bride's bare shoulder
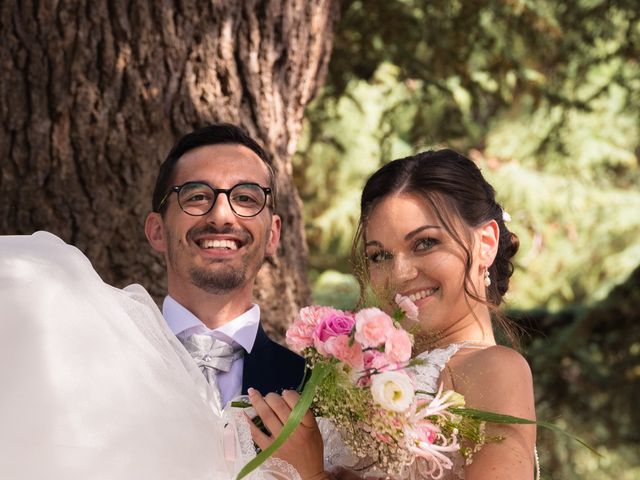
493	377
495	360
498	379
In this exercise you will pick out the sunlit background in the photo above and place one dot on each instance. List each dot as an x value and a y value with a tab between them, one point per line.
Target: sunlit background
545	97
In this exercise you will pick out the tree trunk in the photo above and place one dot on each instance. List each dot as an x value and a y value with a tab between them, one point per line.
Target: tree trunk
94	93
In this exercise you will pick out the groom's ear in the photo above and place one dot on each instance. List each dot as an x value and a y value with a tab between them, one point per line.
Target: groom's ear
154	230
274	236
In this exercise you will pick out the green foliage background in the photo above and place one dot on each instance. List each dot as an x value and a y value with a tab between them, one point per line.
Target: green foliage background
545	96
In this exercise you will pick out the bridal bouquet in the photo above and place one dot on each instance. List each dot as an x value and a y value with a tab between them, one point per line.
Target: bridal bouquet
369	393
362	381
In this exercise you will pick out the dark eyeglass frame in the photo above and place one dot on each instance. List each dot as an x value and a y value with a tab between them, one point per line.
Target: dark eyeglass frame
216	191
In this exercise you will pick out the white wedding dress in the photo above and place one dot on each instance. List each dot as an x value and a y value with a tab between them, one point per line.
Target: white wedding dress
95	385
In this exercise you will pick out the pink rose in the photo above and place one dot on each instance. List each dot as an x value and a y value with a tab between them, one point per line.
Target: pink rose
334	323
373	326
339	348
398	346
300	334
407	306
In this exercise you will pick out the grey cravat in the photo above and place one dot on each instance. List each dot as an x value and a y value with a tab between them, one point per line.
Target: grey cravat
212	356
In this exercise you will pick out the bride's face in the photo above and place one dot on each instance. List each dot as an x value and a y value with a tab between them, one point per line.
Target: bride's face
409	252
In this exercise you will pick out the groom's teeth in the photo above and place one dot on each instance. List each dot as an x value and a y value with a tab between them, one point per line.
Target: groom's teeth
422	294
229	244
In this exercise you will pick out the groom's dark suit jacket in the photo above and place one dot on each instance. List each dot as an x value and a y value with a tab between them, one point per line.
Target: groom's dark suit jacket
271	367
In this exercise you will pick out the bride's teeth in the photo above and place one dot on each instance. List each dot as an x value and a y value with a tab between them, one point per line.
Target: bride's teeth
230	244
422	294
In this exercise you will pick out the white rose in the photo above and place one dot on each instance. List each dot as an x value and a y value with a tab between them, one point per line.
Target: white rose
392	391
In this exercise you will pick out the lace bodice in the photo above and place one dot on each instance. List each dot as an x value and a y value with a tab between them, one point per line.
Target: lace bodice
427	374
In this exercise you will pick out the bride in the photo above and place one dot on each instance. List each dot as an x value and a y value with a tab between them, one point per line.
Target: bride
431	229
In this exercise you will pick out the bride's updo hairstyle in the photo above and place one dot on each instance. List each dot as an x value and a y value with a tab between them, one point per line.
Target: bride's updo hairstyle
453	186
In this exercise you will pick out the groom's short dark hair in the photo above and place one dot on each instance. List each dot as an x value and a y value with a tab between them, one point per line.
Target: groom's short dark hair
214	134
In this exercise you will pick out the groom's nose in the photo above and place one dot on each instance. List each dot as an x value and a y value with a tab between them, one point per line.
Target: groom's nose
221	213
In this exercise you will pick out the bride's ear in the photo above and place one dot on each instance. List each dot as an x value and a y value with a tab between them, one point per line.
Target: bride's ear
154	230
488	236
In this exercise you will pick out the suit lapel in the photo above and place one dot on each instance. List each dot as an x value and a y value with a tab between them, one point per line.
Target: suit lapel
256	362
271	367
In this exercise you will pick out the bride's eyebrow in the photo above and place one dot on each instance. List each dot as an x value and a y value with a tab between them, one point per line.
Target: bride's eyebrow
407	237
373	243
413	233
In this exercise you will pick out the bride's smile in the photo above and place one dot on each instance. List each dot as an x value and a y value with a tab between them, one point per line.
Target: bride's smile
421	294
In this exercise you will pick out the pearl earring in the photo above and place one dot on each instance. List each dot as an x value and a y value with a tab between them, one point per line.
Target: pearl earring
487	278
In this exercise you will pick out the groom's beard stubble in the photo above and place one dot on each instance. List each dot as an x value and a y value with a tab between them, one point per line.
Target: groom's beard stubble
220	280
223	280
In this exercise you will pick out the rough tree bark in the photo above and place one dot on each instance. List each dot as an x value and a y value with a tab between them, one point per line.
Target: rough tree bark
93	94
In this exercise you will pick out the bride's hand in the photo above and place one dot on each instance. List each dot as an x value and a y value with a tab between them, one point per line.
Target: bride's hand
303	449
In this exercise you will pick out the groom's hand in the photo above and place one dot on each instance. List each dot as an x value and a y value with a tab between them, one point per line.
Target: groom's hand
303	449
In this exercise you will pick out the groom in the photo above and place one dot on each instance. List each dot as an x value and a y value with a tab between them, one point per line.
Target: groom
214	221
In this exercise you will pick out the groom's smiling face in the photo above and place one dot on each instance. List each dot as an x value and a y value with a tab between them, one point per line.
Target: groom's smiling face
218	252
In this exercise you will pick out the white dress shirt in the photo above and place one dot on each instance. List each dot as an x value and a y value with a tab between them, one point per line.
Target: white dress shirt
240	331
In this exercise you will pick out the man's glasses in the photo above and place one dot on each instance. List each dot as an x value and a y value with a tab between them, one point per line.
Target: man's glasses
197	198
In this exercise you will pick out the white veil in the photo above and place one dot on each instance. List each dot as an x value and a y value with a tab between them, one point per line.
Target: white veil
94	384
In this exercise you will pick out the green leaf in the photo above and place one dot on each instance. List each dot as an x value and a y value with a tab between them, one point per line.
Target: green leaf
509	419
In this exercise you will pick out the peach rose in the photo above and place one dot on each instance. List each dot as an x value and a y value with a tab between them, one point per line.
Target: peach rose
300	336
373	326
339	348
313	314
398	346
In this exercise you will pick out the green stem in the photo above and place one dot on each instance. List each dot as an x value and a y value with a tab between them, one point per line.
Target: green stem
318	374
